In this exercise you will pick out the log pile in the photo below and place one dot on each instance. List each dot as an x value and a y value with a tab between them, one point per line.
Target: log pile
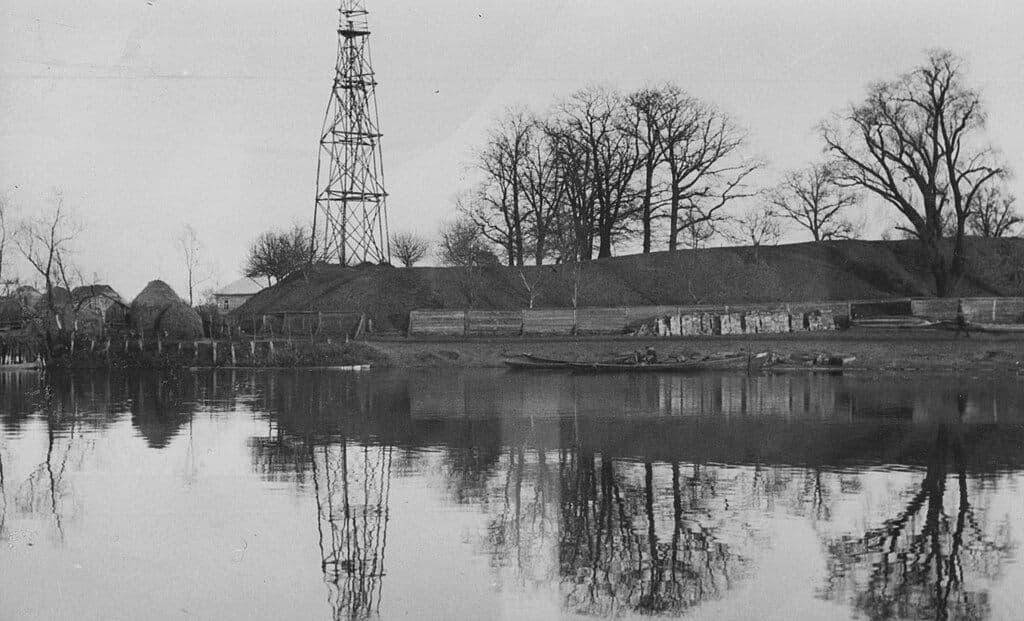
732	323
757	322
820	321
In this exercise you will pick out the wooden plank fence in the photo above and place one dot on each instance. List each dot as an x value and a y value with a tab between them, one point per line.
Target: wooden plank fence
556	321
750	318
437	323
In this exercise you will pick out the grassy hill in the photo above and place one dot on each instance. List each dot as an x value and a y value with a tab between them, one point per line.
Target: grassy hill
841	270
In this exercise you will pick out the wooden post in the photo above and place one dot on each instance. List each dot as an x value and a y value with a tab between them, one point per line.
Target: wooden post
159	345
215	353
252	348
234	361
319	322
195	350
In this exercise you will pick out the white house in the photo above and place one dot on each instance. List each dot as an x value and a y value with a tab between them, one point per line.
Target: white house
235	294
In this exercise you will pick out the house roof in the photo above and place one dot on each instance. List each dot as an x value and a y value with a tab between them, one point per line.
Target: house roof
242	286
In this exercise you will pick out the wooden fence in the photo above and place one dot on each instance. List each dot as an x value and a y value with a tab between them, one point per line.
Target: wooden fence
622	320
302	324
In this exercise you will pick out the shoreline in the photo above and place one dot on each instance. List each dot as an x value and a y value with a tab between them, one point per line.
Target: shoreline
876	350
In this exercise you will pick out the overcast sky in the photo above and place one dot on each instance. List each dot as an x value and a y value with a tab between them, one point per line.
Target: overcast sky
153	114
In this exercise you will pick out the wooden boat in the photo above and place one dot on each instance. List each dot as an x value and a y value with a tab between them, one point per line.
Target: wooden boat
526	361
682	366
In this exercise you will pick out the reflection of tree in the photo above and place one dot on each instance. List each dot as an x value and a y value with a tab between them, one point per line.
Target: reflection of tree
45	491
521	534
613	557
352	485
918	564
618	546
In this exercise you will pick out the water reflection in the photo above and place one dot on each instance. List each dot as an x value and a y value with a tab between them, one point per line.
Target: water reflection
352	487
931	559
641	495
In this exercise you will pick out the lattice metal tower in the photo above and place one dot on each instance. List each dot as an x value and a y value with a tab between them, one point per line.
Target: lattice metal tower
350	223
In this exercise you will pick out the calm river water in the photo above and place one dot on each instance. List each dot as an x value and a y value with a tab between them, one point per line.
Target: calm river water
498	495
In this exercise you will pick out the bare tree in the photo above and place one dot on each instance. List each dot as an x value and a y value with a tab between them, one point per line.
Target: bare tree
812	198
575	218
45	241
706	170
996	214
594	120
757	227
914	143
409	248
5	279
543	192
648	110
276	254
463	244
191	253
497	205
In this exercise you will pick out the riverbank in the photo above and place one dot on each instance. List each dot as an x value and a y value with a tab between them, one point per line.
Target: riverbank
890	351
875	350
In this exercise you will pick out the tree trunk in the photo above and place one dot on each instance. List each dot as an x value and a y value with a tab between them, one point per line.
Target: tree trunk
646	213
604	247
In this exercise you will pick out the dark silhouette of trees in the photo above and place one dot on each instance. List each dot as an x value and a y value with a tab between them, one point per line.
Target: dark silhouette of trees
409	248
463	244
914	142
757	227
594	121
706	171
276	254
996	214
812	198
603	168
498	205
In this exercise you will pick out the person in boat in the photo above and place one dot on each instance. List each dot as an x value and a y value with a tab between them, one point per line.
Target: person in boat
961	321
650	356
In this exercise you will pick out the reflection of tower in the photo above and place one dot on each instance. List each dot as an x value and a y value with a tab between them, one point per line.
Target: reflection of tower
352	484
350	219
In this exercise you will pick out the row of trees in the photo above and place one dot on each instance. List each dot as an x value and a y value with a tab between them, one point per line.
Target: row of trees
662	167
604	167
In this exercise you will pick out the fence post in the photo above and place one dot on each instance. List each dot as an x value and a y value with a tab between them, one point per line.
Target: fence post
215	353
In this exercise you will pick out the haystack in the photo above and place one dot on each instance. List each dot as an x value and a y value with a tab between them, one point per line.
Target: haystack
158	309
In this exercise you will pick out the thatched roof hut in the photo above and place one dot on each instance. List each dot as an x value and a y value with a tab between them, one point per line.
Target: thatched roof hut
28	295
10	310
61	298
98	307
158	309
